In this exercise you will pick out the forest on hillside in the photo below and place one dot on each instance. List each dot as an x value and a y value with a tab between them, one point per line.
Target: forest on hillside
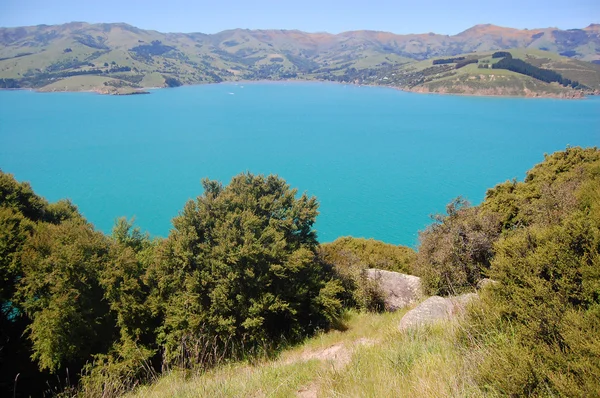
242	275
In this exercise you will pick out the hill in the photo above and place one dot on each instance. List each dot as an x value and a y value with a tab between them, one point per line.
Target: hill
480	74
130	59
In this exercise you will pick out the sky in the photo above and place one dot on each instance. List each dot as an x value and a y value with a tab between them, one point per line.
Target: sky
397	16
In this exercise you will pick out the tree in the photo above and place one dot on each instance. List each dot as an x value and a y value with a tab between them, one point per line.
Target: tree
61	293
240	270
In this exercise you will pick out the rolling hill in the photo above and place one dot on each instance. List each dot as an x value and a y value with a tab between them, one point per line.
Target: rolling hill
120	58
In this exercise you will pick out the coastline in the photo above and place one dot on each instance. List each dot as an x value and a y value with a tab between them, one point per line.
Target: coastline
415	90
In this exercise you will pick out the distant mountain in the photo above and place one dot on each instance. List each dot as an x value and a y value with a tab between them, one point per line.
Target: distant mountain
120	58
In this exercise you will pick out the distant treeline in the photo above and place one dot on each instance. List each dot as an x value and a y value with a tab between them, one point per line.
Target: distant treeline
501	54
149	50
520	66
9	83
447	60
465	63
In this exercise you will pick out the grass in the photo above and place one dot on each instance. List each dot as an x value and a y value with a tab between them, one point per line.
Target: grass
373	359
78	83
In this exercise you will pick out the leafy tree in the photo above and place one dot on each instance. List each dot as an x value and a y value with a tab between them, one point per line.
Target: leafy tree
130	359
240	268
61	293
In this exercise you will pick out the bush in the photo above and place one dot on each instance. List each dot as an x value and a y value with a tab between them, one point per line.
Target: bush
370	253
540	324
60	292
538	327
240	269
455	251
350	257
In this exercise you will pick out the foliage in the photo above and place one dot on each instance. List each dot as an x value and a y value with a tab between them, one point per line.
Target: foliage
172	82
350	257
240	267
371	254
456	249
465	63
239	274
150	50
242	273
9	83
538	326
541	323
545	75
501	54
60	292
447	60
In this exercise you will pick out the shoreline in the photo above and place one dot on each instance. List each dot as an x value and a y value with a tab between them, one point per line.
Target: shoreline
148	90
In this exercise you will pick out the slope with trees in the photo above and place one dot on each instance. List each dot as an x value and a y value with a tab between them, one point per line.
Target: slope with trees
241	276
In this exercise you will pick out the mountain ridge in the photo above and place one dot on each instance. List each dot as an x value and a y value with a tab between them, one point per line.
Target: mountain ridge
124	58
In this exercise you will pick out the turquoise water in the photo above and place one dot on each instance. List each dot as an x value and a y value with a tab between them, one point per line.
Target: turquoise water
380	161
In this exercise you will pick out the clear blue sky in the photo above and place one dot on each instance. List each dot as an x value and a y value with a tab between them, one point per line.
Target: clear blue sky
398	16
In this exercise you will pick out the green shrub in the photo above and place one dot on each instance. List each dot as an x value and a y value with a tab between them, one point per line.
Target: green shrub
61	293
240	269
455	251
350	257
538	327
370	253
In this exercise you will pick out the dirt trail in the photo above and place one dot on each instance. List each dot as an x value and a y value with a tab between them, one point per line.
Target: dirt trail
339	355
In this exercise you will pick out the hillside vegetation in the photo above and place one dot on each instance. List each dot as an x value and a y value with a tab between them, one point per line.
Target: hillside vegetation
129	59
228	302
483	74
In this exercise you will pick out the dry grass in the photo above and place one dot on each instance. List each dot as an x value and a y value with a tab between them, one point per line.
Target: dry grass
371	358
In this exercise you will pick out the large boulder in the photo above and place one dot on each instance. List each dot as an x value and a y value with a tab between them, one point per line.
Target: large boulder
435	309
399	290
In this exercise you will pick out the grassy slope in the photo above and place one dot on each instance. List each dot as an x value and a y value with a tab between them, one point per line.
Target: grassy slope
473	80
373	359
78	83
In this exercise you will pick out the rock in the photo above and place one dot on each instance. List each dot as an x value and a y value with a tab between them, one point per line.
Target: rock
432	310
436	309
399	290
485	283
459	303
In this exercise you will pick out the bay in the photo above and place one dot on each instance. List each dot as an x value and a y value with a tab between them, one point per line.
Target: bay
380	161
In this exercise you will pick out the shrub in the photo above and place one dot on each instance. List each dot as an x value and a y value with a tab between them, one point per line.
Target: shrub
540	323
240	268
538	327
61	293
349	258
370	253
455	251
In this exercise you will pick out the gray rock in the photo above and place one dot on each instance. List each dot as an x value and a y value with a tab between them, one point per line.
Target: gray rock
399	290
435	309
461	302
482	284
432	310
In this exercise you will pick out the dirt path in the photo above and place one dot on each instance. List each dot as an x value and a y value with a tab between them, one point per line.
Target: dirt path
339	355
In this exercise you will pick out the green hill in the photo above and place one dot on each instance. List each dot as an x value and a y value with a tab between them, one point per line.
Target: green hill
474	73
131	58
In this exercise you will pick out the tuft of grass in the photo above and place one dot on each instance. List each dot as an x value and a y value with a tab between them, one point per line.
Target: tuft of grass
428	362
